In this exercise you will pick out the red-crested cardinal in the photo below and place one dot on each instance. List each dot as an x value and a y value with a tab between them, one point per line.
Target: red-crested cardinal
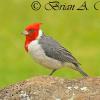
47	51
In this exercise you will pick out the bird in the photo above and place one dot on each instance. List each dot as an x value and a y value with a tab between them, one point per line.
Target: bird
48	52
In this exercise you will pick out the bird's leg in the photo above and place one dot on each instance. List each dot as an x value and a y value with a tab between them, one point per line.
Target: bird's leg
52	72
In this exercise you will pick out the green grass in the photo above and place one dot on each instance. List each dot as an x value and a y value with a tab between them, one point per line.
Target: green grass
79	31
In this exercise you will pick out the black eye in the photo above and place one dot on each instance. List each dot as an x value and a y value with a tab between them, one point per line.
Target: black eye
31	31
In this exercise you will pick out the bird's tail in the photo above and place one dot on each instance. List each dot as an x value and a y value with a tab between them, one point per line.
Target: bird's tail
82	72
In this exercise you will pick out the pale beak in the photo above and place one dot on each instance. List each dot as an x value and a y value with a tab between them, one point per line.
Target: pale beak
25	33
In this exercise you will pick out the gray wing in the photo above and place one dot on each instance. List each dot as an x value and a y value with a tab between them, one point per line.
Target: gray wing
54	50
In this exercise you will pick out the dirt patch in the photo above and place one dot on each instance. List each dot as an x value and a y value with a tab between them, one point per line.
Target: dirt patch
53	88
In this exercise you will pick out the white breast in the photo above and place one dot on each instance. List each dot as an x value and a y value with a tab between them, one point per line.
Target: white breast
36	51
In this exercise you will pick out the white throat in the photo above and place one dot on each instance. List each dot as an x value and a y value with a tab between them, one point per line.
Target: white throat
40	34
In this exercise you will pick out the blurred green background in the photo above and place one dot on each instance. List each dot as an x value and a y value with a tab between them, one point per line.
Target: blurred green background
79	31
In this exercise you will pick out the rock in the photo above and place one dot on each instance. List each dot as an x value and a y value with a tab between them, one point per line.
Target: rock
53	88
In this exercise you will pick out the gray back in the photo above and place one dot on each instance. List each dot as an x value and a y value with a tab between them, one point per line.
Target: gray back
54	50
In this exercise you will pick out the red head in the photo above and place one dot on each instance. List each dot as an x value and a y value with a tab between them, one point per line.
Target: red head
32	33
